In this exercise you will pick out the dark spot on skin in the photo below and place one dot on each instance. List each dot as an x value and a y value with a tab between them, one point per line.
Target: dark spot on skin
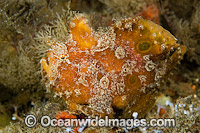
132	79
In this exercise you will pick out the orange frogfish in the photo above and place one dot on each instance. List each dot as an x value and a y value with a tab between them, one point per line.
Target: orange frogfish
116	71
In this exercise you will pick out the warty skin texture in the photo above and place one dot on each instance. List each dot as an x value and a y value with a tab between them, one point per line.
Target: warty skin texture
99	72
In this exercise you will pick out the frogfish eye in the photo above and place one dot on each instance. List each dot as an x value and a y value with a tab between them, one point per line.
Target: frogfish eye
144	47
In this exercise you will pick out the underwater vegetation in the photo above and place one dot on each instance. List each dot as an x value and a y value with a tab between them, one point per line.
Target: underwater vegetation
99	57
185	22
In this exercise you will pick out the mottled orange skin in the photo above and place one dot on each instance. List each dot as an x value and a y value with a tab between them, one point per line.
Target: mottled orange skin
151	12
65	115
94	88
